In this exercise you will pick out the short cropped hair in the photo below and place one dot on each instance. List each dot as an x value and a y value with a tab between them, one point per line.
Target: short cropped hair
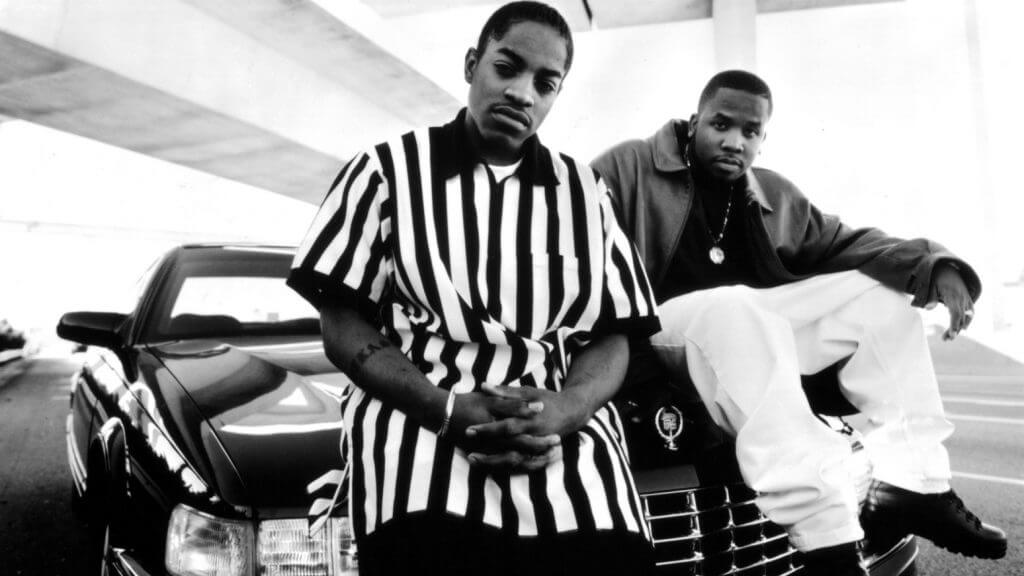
515	12
737	80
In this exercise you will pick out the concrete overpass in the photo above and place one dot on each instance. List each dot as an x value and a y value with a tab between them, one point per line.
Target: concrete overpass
271	93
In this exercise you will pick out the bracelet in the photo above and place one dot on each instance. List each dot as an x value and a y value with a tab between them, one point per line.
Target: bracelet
449	407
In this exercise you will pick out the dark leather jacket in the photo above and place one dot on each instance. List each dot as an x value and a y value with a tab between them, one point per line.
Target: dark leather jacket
794	240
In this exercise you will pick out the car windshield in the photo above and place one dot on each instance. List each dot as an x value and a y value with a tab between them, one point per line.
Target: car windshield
230	292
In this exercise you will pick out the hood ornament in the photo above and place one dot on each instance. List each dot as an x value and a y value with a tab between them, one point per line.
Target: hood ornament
669	423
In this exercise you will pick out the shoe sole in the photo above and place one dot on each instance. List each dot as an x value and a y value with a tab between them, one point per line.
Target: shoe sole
990	554
892	523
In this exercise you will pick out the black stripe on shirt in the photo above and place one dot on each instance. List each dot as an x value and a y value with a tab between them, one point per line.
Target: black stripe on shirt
476	499
524	259
440	476
424	259
556	280
358	491
387	164
574	485
359	218
509	516
439	197
543	511
581	241
493	264
472	238
484	358
518	355
380	438
622	267
333	227
338	179
603	462
406	456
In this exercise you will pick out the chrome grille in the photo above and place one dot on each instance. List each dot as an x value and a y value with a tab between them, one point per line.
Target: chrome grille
716	531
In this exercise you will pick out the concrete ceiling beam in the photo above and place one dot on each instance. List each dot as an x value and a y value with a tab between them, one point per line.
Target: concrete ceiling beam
586	14
48	88
216	89
347	42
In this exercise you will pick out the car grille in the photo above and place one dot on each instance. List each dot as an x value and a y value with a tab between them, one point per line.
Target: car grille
716	531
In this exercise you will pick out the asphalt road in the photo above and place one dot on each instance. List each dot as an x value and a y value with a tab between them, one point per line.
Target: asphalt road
987	457
39	536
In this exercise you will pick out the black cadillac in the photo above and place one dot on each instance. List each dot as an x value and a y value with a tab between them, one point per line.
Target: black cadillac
200	418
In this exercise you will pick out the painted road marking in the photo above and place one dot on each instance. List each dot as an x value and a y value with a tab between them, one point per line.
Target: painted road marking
982	401
987	478
986	379
989	419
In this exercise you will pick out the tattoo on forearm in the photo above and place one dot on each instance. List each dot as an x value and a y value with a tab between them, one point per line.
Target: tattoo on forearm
356	365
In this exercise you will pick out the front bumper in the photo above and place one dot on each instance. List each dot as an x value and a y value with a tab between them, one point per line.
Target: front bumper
717	530
898	560
713	531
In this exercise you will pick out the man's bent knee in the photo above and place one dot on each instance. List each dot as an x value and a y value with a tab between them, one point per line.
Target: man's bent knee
883	306
730	305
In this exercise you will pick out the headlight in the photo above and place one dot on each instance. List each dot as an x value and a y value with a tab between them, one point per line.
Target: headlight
203	545
286	548
199	544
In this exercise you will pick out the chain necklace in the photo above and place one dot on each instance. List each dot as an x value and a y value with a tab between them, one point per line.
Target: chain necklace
716	254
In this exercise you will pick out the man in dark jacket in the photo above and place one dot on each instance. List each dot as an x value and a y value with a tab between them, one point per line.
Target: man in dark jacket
756	286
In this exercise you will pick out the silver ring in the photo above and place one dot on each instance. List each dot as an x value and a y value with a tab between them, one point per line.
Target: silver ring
969	313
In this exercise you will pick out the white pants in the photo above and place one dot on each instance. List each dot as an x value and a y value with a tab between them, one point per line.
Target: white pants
745	349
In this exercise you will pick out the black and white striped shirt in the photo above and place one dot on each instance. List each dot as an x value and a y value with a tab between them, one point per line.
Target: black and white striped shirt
480	281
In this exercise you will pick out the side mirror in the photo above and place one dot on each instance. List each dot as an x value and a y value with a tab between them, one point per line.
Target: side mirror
92	328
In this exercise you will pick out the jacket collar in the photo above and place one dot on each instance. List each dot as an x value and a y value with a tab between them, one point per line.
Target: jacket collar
455	154
668	157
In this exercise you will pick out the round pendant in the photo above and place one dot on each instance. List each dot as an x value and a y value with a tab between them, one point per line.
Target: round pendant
716	254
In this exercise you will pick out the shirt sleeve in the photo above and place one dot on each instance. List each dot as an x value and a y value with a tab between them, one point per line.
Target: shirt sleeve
628	305
343	257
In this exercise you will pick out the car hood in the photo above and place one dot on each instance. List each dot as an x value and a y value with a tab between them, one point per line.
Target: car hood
271	411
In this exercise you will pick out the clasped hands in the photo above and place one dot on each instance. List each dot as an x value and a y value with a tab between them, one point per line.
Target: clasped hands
516	429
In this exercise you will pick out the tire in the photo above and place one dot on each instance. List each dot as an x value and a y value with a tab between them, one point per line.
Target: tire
78	506
97	520
105	502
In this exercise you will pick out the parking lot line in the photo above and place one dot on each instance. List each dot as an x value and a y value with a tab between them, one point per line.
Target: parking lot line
987	478
990	419
981	401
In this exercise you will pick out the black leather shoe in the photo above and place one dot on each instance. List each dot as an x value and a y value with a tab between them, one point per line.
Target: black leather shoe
841	560
891	512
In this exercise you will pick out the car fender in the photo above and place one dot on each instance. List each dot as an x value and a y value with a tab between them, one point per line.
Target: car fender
108	458
111	445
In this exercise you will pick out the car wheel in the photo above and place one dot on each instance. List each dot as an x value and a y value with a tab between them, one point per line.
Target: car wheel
78	508
105	501
105	547
97	521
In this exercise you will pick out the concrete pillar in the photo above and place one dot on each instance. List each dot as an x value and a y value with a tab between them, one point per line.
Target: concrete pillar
735	25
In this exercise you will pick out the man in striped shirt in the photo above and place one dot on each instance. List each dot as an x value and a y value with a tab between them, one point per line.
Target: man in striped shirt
479	292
